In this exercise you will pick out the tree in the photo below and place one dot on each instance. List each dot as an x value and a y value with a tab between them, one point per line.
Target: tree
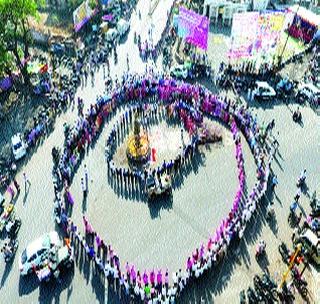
15	38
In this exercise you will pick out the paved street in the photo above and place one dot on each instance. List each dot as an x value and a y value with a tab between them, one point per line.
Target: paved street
165	235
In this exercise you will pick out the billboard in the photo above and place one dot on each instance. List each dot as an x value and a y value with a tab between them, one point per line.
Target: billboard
194	28
82	15
255	33
243	33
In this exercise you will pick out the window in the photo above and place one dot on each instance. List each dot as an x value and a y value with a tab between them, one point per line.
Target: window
33	257
42	251
17	145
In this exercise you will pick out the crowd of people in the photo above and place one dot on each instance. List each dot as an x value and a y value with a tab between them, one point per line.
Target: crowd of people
156	285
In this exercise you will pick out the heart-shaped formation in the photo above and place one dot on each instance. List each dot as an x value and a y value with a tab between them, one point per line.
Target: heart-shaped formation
199	101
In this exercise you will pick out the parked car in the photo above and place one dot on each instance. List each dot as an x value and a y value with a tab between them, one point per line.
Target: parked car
263	91
58	49
310	244
179	71
155	187
19	147
35	252
309	92
122	27
111	35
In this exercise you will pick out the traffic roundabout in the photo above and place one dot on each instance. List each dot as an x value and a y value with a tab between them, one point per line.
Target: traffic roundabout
190	105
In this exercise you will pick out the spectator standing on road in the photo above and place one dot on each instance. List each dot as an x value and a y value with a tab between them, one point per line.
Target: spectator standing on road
26	181
11	192
86	177
274	182
16	185
83	188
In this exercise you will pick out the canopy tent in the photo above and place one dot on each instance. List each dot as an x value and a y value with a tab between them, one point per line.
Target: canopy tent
303	24
305	14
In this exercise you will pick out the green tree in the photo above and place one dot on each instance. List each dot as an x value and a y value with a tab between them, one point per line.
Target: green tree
15	38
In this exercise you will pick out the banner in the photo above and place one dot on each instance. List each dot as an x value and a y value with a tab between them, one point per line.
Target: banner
243	34
194	28
256	33
82	15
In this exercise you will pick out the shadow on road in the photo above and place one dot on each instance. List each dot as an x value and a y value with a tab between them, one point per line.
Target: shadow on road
215	281
6	272
90	273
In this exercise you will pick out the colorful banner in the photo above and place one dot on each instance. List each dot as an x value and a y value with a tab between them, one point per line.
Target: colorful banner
255	33
243	34
194	28
82	15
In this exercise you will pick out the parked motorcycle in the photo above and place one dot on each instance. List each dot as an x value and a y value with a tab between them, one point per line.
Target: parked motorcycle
284	252
300	283
9	250
13	227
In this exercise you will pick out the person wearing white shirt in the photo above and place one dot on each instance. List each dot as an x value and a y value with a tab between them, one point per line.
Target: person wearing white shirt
136	290
142	294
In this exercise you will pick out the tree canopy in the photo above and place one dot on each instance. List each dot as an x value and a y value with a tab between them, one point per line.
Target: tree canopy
15	38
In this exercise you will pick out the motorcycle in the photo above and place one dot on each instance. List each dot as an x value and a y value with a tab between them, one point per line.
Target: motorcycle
57	212
13	227
284	252
253	296
315	205
11	250
299	282
285	295
292	219
301	179
270	213
297	117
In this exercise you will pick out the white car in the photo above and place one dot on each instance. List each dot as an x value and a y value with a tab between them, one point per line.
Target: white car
310	92
19	147
36	252
111	35
263	91
122	26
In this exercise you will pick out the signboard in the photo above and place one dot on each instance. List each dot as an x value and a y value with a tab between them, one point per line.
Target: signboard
82	15
243	34
255	33
194	28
